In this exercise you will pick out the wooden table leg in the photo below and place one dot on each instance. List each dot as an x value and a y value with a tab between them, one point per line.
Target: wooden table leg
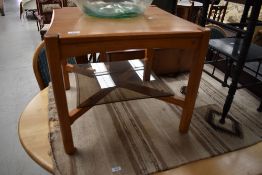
103	56
65	75
193	84
149	55
56	73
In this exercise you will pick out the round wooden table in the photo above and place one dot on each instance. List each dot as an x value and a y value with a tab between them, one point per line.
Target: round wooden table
33	130
33	133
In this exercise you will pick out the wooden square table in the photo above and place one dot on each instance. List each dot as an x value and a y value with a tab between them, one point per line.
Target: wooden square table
73	33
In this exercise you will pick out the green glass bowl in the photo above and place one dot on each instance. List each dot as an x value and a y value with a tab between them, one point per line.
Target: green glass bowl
113	8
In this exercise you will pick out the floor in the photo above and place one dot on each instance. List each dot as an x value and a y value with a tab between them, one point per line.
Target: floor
18	39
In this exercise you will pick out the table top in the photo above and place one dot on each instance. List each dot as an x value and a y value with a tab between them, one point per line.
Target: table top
33	133
154	22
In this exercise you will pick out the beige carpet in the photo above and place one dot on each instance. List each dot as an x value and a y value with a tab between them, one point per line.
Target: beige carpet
141	136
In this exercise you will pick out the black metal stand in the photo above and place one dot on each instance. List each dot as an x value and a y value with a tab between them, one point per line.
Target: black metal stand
252	21
243	53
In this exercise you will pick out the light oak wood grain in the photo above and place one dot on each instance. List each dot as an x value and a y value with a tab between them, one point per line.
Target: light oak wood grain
33	129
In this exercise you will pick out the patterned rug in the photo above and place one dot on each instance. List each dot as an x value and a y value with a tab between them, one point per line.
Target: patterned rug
142	137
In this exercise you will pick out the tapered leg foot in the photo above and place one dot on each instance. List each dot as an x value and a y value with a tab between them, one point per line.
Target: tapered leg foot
70	151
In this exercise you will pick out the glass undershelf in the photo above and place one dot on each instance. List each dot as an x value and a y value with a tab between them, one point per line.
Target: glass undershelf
108	82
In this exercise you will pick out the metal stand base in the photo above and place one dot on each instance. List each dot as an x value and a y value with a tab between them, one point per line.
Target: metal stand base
231	126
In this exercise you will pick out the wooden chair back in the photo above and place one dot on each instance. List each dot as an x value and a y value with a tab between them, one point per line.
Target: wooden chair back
40	66
217	12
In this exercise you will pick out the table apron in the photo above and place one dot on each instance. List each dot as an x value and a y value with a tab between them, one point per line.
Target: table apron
78	49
